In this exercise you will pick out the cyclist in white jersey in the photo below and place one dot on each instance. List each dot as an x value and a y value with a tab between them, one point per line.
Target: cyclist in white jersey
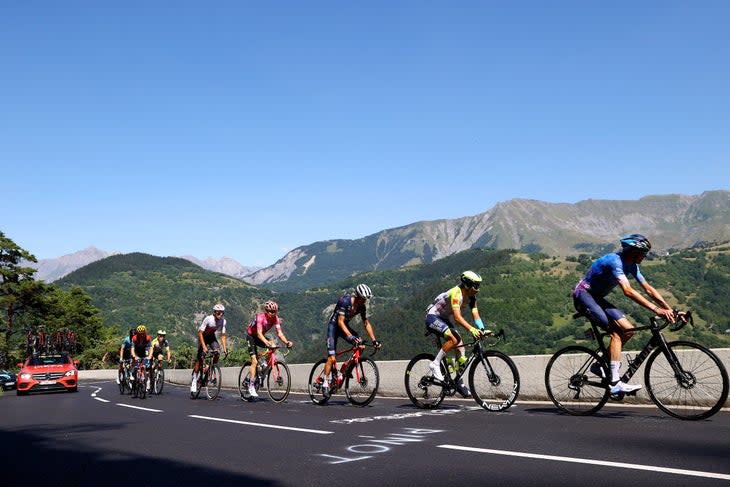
207	339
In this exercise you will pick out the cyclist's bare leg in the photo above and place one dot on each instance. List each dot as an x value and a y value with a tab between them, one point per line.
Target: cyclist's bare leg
252	369
619	337
328	365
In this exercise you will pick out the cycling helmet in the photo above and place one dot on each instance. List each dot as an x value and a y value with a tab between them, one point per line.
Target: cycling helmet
271	307
471	279
161	332
636	241
219	307
363	291
141	329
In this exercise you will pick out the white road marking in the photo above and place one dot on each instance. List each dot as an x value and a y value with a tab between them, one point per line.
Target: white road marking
263	425
100	399
141	408
651	468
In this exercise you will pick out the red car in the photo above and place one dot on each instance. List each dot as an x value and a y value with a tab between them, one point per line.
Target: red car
48	372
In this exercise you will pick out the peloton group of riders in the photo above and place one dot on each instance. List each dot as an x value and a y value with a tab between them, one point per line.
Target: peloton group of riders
139	348
442	316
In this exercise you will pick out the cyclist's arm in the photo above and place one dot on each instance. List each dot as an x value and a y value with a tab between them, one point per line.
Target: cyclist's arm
281	336
260	335
369	329
460	319
201	341
638	298
343	326
665	310
224	339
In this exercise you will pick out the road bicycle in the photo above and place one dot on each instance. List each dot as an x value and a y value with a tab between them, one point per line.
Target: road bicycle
270	370
125	377
157	378
684	379
493	377
209	378
359	376
141	379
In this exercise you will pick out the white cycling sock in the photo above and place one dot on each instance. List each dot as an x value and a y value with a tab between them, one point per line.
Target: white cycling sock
615	367
440	356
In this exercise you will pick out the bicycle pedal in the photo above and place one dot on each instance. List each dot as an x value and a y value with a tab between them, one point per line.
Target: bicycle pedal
632	393
618	397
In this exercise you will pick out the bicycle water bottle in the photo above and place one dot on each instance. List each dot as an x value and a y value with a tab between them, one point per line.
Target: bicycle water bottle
451	364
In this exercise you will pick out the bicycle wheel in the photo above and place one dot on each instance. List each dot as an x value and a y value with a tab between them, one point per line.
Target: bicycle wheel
314	385
142	385
697	390
361	382
199	384
213	386
158	381
494	381
243	379
420	385
122	382
571	386
278	382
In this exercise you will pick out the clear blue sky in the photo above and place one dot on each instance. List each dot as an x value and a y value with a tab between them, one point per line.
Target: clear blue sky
247	129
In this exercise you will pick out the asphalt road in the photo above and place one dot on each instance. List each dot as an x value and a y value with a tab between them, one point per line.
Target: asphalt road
98	437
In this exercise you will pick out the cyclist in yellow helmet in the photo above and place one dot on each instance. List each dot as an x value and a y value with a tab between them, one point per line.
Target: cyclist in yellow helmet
444	312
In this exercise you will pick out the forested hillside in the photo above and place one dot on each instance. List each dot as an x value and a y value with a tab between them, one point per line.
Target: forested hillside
526	294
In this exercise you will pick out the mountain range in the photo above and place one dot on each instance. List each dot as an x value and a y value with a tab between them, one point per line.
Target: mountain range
50	270
558	229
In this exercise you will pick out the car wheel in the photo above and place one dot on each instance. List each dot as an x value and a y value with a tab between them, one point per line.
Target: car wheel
21	393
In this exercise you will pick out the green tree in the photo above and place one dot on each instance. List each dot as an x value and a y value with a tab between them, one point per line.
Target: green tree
15	287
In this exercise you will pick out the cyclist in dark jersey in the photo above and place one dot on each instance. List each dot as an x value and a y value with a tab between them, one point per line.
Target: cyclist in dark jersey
125	351
604	275
347	307
141	350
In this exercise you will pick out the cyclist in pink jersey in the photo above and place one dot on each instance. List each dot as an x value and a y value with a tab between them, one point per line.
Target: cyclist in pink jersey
256	336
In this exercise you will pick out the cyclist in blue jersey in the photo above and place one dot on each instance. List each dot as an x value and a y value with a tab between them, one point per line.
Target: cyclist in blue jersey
125	351
603	276
347	307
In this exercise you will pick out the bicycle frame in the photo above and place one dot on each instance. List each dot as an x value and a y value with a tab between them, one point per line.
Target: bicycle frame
477	350
354	359
657	340
269	359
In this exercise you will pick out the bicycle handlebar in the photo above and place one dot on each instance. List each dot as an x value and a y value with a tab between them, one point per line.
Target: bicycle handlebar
500	335
364	344
681	319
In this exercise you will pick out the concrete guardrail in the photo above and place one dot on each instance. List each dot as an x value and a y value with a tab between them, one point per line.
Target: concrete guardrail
530	367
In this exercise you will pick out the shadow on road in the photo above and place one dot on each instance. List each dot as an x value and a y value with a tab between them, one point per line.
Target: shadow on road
41	455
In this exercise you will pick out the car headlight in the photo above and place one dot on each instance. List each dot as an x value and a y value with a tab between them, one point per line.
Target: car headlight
25	376
70	373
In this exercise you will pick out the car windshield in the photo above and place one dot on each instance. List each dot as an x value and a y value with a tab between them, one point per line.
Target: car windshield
50	360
